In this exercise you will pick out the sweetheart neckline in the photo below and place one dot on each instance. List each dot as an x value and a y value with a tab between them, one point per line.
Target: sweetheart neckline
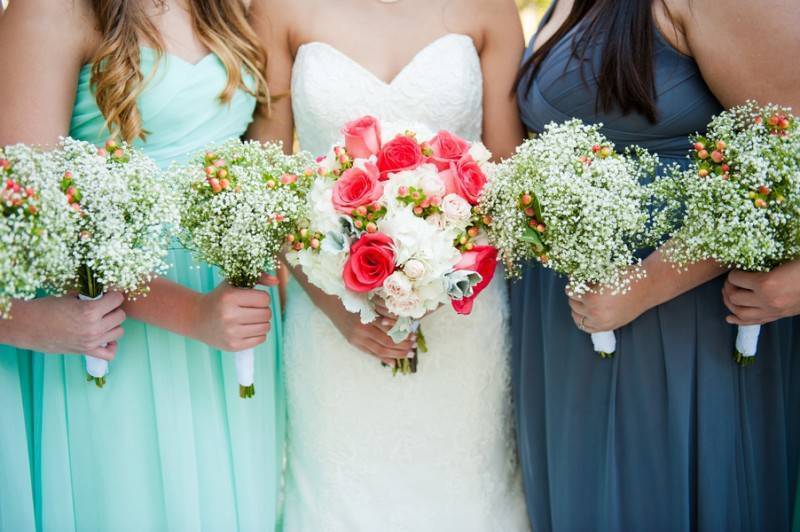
405	67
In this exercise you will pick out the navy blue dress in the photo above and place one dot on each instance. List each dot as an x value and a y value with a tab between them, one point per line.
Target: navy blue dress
670	434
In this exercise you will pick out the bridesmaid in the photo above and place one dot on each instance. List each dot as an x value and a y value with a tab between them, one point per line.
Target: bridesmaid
670	434
167	444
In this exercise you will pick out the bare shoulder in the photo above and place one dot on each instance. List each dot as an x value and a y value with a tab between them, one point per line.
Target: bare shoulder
497	19
69	24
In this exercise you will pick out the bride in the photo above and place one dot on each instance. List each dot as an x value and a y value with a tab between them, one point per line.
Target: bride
368	451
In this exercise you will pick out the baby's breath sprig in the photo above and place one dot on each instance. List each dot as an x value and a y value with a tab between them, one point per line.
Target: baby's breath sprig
738	203
36	227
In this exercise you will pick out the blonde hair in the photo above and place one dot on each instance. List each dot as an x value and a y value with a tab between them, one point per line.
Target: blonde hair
117	79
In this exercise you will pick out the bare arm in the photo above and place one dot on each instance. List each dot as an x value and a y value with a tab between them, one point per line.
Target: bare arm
745	65
500	58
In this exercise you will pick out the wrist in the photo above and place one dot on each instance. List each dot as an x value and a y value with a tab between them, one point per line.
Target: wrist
194	315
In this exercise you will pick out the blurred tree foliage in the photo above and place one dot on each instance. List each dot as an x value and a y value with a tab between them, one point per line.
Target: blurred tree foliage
540	5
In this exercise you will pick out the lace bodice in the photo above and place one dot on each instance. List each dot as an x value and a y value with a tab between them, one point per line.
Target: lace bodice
447	95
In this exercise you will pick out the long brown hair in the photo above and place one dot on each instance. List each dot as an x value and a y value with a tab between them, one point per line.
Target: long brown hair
626	77
117	79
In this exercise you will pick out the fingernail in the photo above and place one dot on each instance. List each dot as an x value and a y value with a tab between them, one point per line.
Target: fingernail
385	323
411	354
413	337
414	345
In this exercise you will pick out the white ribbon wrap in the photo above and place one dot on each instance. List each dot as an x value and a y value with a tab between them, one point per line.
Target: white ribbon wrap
96	367
604	342
245	367
747	340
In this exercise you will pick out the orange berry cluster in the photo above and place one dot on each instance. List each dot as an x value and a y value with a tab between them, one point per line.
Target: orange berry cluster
14	197
423	206
114	151
218	175
713	161
365	218
72	193
304	239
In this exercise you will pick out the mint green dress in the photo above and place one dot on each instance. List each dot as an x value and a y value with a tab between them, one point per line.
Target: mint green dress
167	444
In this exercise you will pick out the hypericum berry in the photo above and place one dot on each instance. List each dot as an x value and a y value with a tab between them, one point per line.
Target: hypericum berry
703	172
540	228
721	145
605	151
472	232
760	203
527	199
303	232
225	184
314	243
402	191
290	238
487	220
764	190
215	185
436	201
773	120
529	212
699	146
102	152
372	228
596	148
358	224
726	168
271	184
463	240
703	154
210	170
418	210
469	246
533	224
219	162
361	211
717	156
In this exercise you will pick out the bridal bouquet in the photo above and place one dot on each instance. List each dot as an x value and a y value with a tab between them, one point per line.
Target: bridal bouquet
125	214
239	203
35	227
570	202
739	202
397	220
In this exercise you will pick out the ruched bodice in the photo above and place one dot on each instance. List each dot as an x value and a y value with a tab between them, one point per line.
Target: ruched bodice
448	96
167	444
169	109
684	102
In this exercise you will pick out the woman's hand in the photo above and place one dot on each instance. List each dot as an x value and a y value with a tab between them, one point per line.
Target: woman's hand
372	338
758	298
66	325
234	319
604	311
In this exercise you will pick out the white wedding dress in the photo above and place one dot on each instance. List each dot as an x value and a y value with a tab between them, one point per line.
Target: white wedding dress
368	451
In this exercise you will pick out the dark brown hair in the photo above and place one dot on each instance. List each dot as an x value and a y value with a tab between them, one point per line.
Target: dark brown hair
625	78
117	79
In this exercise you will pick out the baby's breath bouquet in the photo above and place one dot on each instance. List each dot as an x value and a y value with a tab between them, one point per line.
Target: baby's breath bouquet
126	214
36	227
739	201
239	203
567	200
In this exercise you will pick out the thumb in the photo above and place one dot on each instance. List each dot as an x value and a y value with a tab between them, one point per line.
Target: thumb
268	280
